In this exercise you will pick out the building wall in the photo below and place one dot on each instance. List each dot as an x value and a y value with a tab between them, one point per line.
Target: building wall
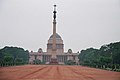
59	46
46	57
61	55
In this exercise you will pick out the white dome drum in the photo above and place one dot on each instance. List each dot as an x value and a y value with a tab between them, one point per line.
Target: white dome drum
59	44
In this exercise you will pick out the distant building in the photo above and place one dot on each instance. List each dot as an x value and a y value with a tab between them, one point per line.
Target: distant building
62	56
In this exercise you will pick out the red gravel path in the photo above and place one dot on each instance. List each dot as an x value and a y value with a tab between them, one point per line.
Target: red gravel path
56	72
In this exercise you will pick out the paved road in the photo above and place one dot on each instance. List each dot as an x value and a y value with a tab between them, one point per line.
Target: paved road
56	72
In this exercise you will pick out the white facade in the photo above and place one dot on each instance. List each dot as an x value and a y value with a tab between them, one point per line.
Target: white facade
62	56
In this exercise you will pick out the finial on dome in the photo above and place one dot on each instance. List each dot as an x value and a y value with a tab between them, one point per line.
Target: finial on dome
55	7
54	16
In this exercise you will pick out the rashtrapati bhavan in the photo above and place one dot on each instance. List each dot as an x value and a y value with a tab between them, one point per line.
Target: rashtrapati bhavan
55	49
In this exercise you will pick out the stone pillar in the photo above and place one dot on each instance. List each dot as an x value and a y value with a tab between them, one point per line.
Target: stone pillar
54	58
54	40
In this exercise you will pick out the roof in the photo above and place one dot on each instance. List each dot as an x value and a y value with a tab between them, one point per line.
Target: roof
45	53
57	36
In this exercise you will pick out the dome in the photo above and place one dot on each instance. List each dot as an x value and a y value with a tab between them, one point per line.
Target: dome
40	50
69	50
57	36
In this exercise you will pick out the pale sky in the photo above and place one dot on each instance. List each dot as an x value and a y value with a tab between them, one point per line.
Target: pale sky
80	23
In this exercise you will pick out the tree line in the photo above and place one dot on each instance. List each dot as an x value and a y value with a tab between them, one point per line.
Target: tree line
10	56
107	57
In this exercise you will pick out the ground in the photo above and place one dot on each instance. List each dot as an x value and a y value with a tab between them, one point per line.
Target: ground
56	72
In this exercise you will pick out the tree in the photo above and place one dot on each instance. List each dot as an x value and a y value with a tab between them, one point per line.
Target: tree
8	59
37	61
107	56
13	53
89	54
70	62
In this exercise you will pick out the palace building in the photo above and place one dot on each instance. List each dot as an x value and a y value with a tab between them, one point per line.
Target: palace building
55	49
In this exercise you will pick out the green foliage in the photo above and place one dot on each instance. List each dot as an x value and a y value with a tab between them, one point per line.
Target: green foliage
89	54
107	56
70	62
115	51
43	62
13	55
37	61
19	60
105	60
8	58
